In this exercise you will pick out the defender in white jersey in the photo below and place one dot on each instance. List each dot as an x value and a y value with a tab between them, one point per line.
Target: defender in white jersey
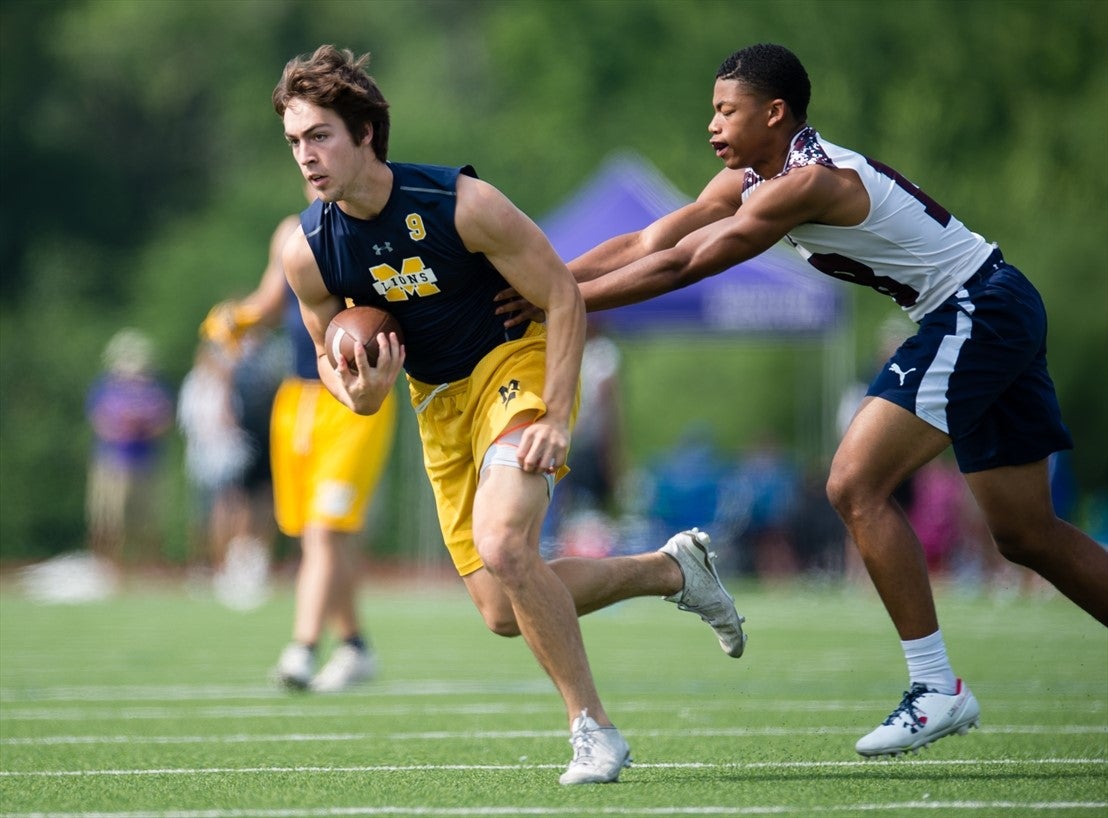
908	246
974	376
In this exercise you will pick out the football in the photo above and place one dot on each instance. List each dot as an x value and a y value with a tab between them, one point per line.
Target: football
358	325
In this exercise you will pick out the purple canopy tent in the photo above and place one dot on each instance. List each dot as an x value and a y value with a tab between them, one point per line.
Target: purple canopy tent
777	292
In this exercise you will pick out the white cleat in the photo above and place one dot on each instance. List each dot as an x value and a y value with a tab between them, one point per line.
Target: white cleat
923	716
703	593
599	753
347	667
295	667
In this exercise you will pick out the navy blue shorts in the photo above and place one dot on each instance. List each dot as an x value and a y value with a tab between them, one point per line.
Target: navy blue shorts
976	370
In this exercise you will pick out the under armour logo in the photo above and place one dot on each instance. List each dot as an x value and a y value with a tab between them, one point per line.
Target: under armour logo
379	250
507	393
900	373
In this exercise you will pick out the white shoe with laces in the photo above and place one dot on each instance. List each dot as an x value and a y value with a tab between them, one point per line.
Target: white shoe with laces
923	716
703	593
295	666
347	666
599	753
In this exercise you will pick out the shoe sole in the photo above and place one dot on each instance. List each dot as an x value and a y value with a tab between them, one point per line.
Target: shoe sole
959	730
614	780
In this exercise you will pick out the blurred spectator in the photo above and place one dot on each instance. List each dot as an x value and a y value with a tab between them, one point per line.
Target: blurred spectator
223	415
685	483
130	411
585	502
937	510
816	530
216	447
597	452
263	364
759	499
586	533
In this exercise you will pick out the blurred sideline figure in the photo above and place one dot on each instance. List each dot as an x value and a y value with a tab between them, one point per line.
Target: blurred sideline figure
321	490
597	455
581	520
764	487
131	411
223	413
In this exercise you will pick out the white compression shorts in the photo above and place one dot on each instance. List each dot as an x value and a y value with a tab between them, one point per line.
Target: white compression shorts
503	452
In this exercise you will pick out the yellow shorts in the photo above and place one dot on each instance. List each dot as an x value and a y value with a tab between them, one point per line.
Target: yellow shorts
326	460
460	422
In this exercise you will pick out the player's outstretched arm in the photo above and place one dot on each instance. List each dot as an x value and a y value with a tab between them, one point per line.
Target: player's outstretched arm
779	205
721	198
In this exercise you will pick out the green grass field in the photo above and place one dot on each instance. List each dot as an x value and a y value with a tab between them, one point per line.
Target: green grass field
157	703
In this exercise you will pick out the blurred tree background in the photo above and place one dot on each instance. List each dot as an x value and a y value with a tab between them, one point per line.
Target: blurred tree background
143	169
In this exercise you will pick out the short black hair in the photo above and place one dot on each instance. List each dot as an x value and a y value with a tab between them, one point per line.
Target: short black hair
772	70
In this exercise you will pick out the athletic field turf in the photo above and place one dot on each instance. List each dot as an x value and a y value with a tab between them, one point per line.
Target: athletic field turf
156	703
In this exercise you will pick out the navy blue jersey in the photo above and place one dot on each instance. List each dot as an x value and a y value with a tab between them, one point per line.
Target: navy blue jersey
410	261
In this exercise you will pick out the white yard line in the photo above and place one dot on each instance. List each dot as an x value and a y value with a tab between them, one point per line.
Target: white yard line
174	693
1085	698
47	707
519	811
442	735
899	763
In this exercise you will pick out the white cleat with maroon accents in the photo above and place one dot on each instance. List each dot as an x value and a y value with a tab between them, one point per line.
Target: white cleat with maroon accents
923	716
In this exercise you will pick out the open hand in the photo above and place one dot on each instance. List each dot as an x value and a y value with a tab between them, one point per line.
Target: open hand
517	309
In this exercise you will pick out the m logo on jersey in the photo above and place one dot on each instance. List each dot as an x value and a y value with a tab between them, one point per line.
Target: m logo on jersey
413	279
509	392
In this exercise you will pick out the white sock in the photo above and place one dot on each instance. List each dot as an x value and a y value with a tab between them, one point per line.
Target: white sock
928	663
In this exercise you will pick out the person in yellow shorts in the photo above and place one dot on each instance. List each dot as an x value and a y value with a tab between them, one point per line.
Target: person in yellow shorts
433	246
321	490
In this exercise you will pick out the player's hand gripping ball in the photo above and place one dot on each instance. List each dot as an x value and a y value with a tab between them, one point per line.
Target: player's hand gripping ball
358	325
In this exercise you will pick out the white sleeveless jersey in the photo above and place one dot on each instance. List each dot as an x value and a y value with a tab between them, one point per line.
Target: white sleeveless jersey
908	247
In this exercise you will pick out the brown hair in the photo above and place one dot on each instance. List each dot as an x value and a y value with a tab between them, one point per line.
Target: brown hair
336	79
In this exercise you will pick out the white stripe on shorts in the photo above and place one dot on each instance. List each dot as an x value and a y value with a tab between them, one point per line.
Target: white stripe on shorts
931	401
